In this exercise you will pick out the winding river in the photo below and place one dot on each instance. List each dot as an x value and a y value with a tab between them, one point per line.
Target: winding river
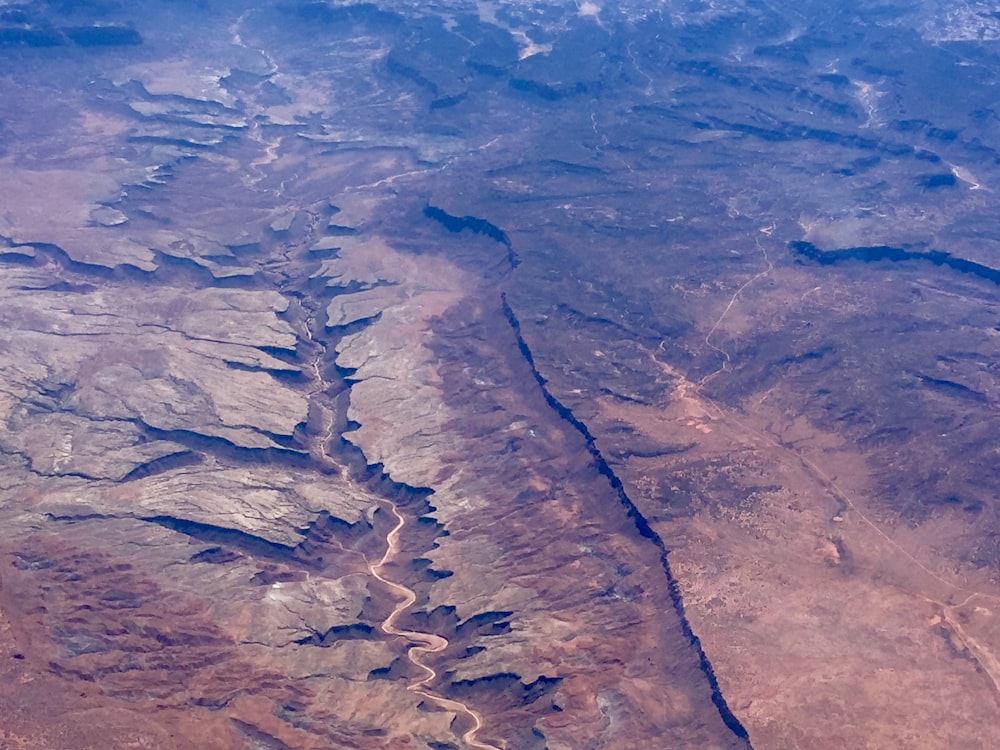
421	643
424	643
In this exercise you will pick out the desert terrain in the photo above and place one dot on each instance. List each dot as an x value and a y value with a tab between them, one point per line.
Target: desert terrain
505	376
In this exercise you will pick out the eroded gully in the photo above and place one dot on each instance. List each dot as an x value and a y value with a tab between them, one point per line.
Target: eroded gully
426	643
421	644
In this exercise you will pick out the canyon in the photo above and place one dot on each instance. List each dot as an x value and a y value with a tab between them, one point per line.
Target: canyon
498	375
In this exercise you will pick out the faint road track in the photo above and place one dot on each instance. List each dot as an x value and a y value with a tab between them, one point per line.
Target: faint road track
988	662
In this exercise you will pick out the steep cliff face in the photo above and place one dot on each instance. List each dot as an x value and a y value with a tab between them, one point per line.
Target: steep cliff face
497	376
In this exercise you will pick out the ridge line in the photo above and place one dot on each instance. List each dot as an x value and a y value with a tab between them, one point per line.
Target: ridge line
642	525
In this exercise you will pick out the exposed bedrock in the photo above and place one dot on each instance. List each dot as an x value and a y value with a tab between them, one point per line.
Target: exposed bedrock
475	225
882	253
641	525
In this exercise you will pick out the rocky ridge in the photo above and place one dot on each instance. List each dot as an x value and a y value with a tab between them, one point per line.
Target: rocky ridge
261	299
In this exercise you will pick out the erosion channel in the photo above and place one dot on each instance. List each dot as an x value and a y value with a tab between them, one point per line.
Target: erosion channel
448	376
429	643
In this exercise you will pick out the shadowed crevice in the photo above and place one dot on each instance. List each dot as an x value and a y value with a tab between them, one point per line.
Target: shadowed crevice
879	253
475	225
641	524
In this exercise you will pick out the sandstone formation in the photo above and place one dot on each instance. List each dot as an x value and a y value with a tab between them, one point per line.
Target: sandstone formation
497	375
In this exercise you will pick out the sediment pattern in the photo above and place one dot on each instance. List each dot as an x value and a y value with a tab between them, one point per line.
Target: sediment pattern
471	376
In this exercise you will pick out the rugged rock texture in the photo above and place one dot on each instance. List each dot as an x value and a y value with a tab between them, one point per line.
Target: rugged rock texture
634	364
